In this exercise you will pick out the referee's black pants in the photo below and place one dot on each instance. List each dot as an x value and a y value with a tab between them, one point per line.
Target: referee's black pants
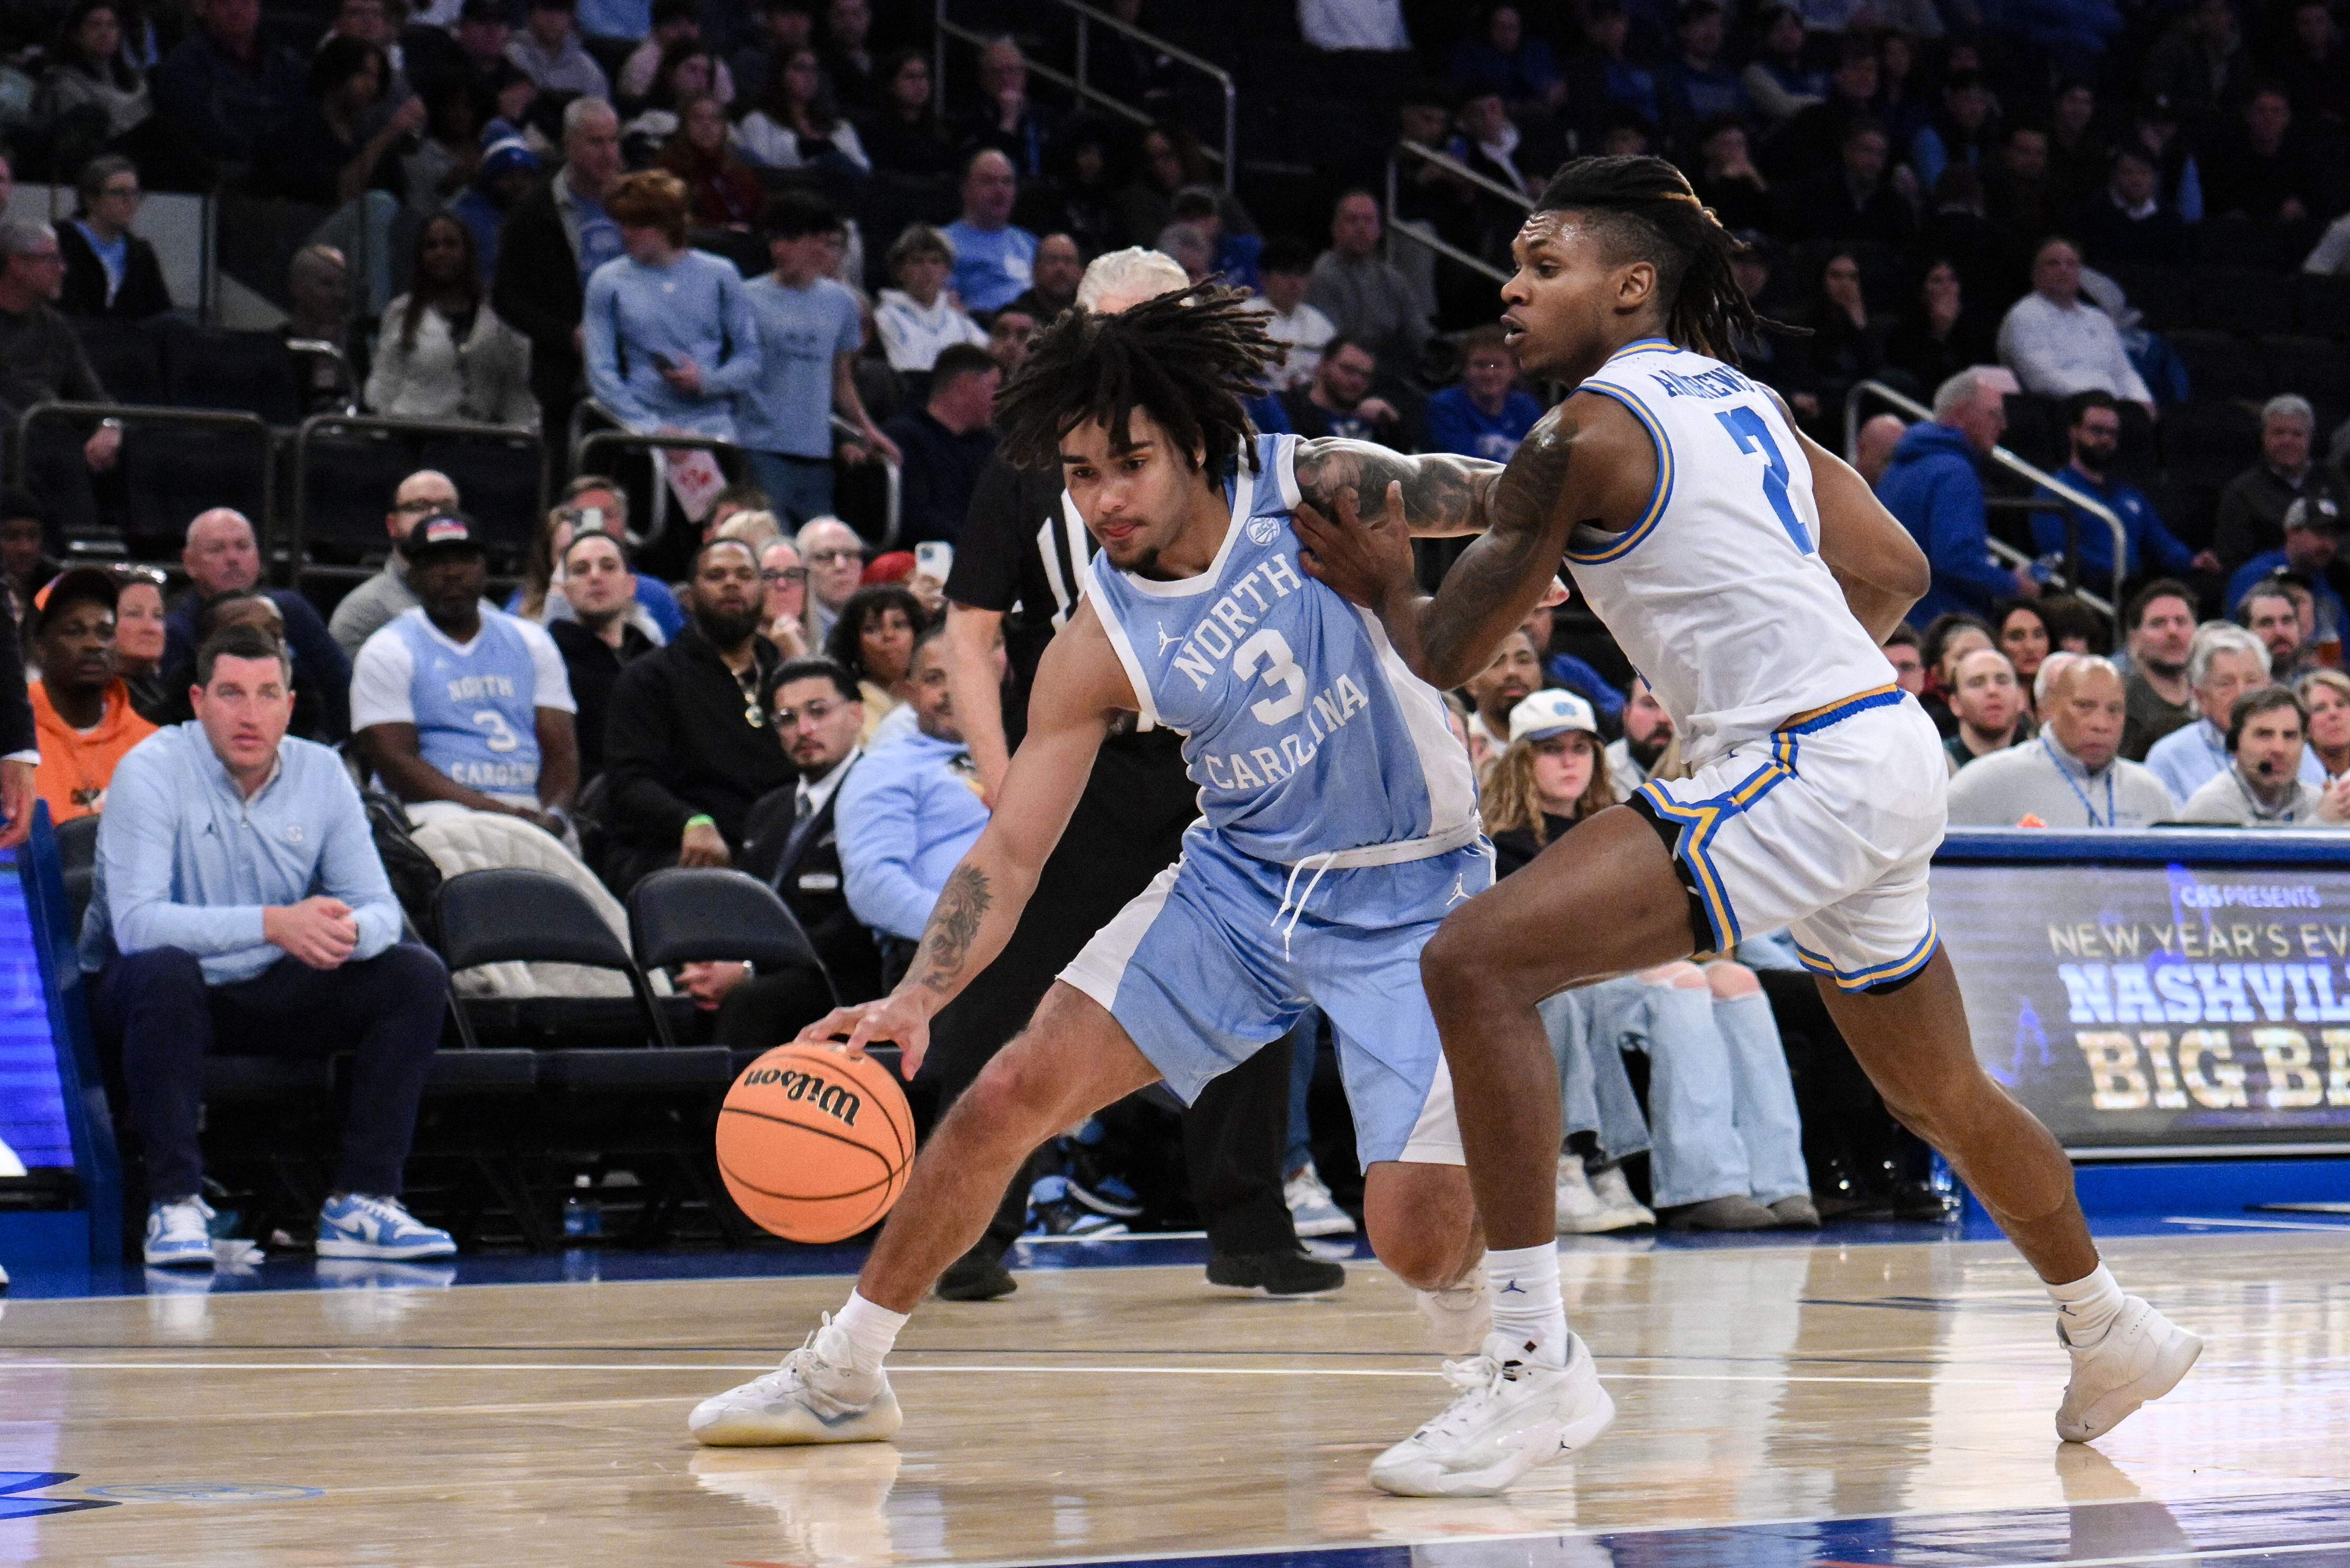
1128	828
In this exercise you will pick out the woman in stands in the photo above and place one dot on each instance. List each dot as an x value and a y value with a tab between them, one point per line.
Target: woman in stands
904	136
797	124
2327	694
1940	335
2024	638
138	637
688	69
338	147
444	354
726	192
91	93
1846	345
873	641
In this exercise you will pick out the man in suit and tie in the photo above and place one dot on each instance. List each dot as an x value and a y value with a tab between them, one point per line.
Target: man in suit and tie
788	840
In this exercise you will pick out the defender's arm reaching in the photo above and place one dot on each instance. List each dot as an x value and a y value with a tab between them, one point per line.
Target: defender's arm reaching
1443	494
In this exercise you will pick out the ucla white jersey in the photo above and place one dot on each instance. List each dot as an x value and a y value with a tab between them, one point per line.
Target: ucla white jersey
1718	594
1308	737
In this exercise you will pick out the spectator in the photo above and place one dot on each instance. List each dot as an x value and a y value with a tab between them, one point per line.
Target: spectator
2261	170
2023	639
1364	297
1813	138
2057	344
1493	693
341	144
2094	430
2272	612
2223	662
848	63
2016	192
195	939
1546	779
994	257
1992	262
548	50
237	606
2312	531
1948	637
2327	694
1901	651
25	563
1565	670
947	443
786	578
2160	622
81	708
1989	706
2071	777
1488	414
1489	143
1234	251
1873	448
1963	132
687	743
1854	200
918	317
1647	731
139	642
2198	62
506	174
1011	332
41	361
2128	223
227	89
1339	401
1285	269
220	555
1503	60
1779	83
904	136
1004	120
457	706
2264	784
2253	507
1727	180
873	642
796	125
1697	84
790	26
91	93
554	239
674	22
1932	487
1053	280
1603	77
835	565
1847	344
590	504
367	607
906	815
110	271
444	353
671	341
599	638
808	335
721	191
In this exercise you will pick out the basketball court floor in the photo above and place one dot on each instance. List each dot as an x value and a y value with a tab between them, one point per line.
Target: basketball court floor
1828	1403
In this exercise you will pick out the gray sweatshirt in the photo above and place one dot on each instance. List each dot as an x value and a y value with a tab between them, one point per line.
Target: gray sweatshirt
2043	779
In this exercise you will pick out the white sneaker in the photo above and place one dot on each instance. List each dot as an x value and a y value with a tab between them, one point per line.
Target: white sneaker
1579	1208
179	1234
1459	1317
1509	1417
2142	1356
1311	1208
814	1397
1614	1195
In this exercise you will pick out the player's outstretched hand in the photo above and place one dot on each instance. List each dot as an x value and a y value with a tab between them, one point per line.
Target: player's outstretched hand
900	1019
1364	558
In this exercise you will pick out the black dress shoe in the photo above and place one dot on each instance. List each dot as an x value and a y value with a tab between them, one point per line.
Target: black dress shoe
976	1277
1276	1273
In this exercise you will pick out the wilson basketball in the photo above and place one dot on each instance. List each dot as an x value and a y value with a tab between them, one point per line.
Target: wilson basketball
814	1143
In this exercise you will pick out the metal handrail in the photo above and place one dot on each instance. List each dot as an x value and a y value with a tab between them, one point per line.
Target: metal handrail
1088	16
893	476
1454	167
514	437
20	438
623	439
2009	461
1397	228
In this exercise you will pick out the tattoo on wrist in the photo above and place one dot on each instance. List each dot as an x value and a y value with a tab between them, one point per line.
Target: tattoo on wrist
953	927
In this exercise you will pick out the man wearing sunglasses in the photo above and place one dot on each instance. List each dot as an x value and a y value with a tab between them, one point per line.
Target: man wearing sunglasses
368	608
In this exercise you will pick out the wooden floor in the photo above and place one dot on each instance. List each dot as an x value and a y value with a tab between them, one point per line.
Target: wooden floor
1120	1412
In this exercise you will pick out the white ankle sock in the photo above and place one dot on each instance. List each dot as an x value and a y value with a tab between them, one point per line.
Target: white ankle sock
1528	1310
2087	1307
868	1331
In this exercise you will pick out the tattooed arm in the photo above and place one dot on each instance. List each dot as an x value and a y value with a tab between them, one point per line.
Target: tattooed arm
1442	494
1081	689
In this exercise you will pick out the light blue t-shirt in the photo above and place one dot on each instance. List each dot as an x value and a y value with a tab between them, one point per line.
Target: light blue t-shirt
991	266
789	408
693	309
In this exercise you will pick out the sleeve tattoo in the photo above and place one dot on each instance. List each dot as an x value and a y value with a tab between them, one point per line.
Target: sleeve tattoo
1442	493
954	926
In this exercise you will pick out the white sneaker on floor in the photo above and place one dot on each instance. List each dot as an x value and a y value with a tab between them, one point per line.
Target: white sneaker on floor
1579	1208
1460	1317
1614	1195
1509	1417
1311	1208
179	1234
812	1397
2142	1356
358	1226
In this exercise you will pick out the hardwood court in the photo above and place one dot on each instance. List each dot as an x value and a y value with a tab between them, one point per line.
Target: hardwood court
1117	1412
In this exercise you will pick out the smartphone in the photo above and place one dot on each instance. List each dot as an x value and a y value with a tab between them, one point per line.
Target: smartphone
934	558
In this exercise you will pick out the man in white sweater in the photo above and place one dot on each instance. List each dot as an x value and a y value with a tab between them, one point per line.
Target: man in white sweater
2057	344
2071	777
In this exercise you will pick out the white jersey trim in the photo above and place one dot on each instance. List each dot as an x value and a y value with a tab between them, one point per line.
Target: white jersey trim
1243	500
1452	790
1119	644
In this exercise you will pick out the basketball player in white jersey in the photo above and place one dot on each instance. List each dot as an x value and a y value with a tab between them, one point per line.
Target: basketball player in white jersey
1751	578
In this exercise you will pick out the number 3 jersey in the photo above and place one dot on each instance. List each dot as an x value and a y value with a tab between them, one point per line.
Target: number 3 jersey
474	704
1718	594
1308	737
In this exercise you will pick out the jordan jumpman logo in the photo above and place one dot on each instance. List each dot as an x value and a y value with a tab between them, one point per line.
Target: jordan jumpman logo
1460	890
1512	1286
1165	641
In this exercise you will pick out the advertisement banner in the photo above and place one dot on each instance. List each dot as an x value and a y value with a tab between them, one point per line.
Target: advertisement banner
2157	1006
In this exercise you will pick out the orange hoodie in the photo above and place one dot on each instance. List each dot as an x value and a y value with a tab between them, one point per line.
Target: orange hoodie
76	767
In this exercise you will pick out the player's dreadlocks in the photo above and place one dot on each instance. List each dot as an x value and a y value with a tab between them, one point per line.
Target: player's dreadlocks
1189	359
1649	213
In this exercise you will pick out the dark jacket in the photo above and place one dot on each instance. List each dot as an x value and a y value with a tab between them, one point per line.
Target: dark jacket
1513	848
803	865
677	745
16	733
142	293
228	108
1933	488
941	470
594	666
537	291
320	665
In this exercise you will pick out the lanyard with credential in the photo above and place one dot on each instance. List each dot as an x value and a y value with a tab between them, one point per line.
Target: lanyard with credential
2078	792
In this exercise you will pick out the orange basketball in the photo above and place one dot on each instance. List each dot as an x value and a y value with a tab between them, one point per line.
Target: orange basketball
814	1143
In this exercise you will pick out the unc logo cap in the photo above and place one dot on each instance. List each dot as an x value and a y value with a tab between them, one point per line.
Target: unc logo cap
1548	713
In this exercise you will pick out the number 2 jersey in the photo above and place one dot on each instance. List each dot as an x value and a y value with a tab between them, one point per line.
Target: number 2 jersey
1308	737
1718	594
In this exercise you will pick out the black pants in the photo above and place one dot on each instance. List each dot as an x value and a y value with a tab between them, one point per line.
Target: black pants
766	1010
386	1010
1128	828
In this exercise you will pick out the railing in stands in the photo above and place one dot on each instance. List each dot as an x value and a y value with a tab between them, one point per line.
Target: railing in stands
332	424
133	414
893	481
1088	17
1398	227
2007	553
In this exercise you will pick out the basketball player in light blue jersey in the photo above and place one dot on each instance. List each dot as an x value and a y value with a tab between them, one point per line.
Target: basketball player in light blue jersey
1752	578
1340	823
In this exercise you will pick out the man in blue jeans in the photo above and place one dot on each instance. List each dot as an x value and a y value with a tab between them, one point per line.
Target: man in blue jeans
239	896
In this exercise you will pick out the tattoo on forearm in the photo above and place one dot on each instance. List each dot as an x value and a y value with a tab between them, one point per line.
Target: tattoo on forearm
1440	491
953	927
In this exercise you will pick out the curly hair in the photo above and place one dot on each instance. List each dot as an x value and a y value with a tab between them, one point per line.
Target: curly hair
1512	802
1649	213
1190	360
846	646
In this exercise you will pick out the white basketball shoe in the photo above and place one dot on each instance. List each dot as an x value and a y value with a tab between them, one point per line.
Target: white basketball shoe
1459	1317
2142	1356
1510	1416
814	1397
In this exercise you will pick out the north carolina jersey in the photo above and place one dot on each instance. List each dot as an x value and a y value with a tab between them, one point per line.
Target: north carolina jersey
1308	735
475	707
1717	595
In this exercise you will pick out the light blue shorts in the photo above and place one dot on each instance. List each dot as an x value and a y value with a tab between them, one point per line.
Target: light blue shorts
1219	955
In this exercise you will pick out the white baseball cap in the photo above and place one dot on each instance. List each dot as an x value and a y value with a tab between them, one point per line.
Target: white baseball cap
1551	712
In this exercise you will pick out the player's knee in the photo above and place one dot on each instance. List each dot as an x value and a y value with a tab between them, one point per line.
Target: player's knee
1731	981
1008	1101
1448	967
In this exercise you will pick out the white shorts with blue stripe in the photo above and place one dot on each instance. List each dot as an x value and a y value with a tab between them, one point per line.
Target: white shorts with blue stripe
1827	826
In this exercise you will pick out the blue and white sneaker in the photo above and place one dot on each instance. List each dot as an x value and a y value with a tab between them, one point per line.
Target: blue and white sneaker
179	1234
358	1226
